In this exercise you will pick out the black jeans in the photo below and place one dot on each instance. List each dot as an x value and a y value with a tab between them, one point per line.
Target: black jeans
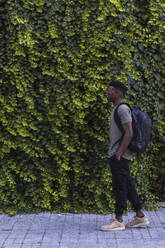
122	185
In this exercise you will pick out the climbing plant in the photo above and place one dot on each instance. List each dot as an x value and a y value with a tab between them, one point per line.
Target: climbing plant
57	58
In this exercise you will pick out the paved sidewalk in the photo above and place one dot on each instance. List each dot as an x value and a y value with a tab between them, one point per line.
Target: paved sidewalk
47	230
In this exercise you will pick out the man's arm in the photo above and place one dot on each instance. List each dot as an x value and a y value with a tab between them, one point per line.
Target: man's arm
126	139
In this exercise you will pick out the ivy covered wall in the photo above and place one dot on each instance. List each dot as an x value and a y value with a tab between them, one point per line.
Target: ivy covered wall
57	58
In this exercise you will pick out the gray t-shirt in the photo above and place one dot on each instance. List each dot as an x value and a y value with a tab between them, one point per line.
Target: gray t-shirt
115	134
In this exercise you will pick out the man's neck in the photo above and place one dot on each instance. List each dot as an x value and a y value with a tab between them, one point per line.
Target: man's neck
117	101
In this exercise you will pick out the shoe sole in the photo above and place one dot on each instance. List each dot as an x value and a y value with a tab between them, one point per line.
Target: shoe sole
115	229
140	225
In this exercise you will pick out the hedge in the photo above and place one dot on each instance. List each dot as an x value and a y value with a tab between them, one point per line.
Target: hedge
57	58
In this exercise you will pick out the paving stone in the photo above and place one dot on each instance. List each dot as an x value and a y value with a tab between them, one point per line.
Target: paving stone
48	230
122	243
13	246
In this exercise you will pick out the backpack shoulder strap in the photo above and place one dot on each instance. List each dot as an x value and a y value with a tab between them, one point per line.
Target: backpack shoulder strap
118	122
117	118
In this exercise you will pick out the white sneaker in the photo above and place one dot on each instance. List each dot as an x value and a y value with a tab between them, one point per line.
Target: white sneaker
114	225
138	222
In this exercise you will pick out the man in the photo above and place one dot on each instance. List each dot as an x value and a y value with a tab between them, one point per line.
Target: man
119	158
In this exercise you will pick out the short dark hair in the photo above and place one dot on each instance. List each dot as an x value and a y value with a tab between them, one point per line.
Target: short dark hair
119	85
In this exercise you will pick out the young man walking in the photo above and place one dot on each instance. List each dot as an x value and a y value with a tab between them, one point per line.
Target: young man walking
119	159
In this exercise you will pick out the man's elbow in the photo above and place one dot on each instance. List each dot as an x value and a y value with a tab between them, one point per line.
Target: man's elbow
129	134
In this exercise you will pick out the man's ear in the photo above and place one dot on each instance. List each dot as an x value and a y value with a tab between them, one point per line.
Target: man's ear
119	93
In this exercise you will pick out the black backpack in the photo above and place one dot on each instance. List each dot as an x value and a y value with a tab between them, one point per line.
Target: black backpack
141	125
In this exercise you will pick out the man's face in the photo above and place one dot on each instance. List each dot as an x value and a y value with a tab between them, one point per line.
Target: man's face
111	94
